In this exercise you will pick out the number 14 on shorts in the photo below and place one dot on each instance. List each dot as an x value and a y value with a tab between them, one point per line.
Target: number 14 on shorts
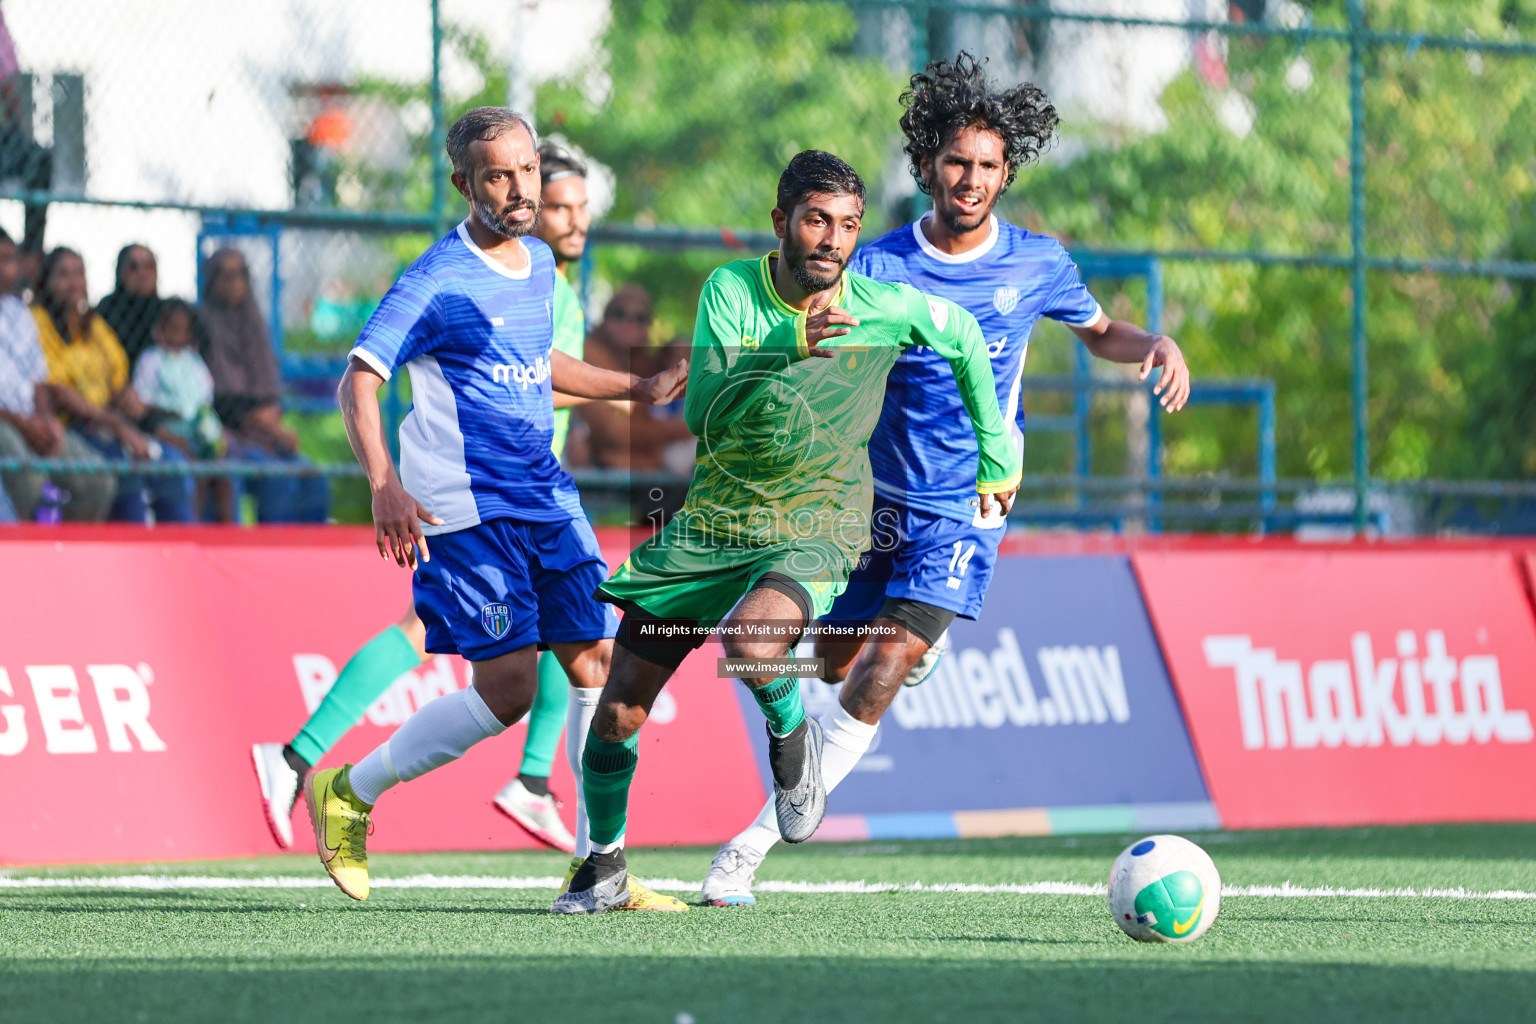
958	563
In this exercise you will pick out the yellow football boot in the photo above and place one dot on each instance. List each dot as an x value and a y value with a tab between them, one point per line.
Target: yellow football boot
640	898
342	826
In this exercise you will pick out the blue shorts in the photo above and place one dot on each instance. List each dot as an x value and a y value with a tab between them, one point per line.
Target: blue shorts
923	557
494	588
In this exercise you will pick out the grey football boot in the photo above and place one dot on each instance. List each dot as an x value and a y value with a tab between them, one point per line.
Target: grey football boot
799	794
600	884
929	662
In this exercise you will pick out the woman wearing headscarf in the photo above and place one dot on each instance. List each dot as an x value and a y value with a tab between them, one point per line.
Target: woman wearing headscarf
248	392
134	304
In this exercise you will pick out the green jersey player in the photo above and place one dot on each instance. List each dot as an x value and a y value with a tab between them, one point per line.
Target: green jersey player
787	380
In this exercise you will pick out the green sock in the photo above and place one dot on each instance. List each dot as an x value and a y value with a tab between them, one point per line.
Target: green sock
780	701
363	680
606	772
546	719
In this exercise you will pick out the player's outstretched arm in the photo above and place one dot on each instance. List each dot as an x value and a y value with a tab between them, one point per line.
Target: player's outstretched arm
583	380
1120	342
954	334
397	517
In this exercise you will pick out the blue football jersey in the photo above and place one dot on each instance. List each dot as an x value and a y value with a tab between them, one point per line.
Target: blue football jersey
923	451
476	338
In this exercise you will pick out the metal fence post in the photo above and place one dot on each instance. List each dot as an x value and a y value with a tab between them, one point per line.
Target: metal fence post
439	126
1359	391
393	403
1268	470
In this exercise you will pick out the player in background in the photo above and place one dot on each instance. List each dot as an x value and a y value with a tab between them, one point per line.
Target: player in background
511	562
932	551
563	221
779	506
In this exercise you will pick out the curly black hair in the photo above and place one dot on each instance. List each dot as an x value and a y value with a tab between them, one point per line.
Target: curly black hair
950	96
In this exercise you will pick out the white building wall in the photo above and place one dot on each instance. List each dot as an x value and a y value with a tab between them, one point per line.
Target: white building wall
189	100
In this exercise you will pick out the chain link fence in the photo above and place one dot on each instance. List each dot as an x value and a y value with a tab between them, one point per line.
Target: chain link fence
1330	200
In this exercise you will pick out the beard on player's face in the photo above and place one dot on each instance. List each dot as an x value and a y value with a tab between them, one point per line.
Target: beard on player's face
500	221
812	278
961	219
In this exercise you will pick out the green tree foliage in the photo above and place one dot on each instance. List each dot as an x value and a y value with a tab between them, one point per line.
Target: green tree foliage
1451	158
698	106
1502	384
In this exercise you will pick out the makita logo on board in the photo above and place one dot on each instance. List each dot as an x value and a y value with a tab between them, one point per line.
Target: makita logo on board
1422	698
1084	685
57	712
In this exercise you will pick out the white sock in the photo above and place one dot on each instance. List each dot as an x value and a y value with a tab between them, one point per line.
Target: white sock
617	844
846	740
578	722
438	733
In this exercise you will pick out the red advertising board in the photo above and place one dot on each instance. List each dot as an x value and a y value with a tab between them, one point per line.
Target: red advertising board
120	732
1352	687
135	675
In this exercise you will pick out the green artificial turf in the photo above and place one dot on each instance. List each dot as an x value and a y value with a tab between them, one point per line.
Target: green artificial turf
424	956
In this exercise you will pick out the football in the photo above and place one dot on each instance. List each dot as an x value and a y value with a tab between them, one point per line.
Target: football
1164	889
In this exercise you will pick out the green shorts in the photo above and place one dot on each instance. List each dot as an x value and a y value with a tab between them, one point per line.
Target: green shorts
680	574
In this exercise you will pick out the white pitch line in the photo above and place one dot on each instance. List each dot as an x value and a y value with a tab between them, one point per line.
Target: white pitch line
160	883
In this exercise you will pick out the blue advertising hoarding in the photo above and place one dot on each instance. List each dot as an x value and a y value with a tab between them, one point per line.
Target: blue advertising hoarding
1052	713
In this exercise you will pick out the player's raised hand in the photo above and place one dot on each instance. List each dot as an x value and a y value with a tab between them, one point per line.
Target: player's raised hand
832	322
665	387
1173	385
397	519
1004	500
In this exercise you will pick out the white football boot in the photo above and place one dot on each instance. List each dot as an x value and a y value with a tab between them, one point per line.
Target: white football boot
539	816
279	790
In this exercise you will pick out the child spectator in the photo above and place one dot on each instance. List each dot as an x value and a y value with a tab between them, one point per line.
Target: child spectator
172	377
174	381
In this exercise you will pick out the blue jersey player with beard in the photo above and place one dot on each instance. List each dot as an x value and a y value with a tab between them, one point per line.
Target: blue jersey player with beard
504	559
931	551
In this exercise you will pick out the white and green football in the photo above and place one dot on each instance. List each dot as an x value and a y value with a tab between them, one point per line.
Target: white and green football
1164	889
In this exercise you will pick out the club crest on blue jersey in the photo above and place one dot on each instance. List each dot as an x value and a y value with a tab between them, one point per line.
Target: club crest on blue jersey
1004	300
497	619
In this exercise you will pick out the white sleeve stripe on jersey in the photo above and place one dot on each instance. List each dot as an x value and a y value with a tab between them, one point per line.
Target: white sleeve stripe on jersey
1098	311
374	362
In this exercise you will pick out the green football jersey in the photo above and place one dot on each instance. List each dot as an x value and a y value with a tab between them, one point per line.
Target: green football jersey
570	338
783	437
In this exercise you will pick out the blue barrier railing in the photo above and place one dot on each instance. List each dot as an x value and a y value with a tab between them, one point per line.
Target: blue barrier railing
1067	500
